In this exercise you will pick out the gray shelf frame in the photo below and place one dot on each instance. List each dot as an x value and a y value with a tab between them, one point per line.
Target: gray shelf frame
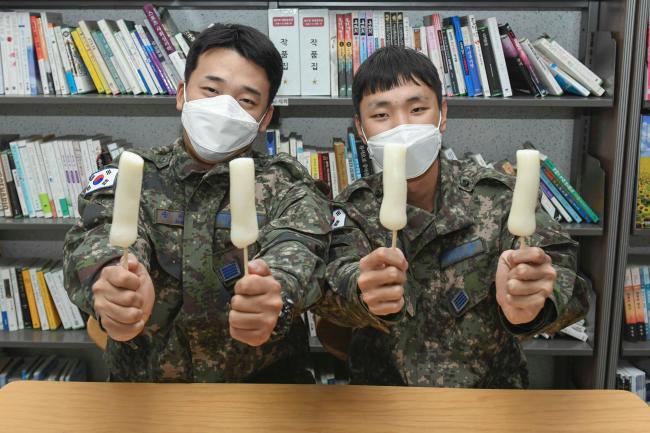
638	348
36	338
600	126
625	250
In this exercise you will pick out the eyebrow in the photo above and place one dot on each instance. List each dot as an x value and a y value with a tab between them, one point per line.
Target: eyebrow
385	103
247	88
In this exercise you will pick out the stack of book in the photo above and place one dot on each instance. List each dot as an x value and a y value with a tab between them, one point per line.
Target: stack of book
41	176
41	367
559	198
348	161
40	55
322	50
642	214
33	296
636	295
633	379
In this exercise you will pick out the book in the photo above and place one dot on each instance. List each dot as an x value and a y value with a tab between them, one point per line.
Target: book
314	52
499	56
349	53
546	181
365	165
356	43
520	77
639	303
86	29
644	272
370	33
434	50
8	50
27	318
341	56
170	50
541	69
630	328
326	172
88	62
538	86
556	204
285	35
642	212
565	81
341	164
363	39
400	28
487	52
478	54
80	74
334	55
456	73
462	55
470	54
120	59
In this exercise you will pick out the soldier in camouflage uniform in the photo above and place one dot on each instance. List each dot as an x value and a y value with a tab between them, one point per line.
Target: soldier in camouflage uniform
184	311
450	306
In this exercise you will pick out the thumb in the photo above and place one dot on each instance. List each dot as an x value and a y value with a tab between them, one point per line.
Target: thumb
133	263
259	267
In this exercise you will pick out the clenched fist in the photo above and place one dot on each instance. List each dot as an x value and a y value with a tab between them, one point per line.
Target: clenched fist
524	280
256	305
381	281
123	299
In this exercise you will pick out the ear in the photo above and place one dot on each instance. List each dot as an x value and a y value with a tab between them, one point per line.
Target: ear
443	113
180	91
357	124
267	118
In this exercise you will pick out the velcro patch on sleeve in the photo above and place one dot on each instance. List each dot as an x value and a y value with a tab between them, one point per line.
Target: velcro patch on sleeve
102	179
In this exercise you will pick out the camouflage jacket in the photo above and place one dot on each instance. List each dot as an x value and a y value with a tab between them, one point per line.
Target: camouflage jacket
184	242
451	332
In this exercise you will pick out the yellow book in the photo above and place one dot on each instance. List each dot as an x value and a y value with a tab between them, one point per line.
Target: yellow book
315	171
91	56
52	315
87	61
31	301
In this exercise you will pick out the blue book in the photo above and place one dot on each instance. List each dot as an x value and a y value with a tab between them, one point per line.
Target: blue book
34	76
565	204
270	142
363	38
566	195
148	50
455	21
22	184
352	144
73	86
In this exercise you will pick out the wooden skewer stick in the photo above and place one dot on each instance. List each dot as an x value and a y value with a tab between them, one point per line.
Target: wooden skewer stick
245	260
394	243
125	259
522	242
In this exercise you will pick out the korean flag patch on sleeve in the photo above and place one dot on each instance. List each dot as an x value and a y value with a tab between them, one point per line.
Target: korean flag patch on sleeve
102	179
338	218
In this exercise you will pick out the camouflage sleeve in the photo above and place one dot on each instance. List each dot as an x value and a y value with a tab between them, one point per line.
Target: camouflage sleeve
569	301
294	245
342	303
86	250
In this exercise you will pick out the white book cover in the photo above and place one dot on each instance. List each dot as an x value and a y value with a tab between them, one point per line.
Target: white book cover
38	295
56	61
75	314
9	301
5	206
16	294
540	68
182	43
62	167
66	61
455	60
24	87
60	304
75	181
2	37
147	62
569	64
566	81
31	63
314	52
499	57
334	72
29	170
138	79
125	30
285	35
121	66
548	206
53	176
43	63
334	173
46	188
422	34
94	150
293	146
408	33
8	51
80	73
478	54
169	65
86	27
83	147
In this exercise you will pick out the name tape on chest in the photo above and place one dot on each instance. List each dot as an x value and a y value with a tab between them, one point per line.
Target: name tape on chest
101	180
461	252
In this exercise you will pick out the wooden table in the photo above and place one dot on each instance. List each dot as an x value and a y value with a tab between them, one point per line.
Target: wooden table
113	407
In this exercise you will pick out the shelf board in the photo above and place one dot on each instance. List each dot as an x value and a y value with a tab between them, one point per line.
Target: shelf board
133	4
302	101
36	223
466	4
580	230
554	347
638	250
646	105
35	338
638	348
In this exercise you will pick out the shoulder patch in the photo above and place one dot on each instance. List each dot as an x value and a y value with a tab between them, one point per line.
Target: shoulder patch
101	180
338	218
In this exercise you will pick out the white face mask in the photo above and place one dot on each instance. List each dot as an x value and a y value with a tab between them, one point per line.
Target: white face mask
218	127
422	141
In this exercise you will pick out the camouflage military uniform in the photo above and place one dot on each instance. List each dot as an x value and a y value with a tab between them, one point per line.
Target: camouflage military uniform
184	242
451	332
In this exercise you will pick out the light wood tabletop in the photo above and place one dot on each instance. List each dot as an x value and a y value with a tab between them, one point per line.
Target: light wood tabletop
117	407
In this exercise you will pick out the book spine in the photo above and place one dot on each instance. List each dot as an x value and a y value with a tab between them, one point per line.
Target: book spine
565	194
458	67
138	83
285	35
47	62
348	53
355	156
110	61
4	194
460	45
151	59
479	58
370	32
61	307
350	166
539	87
149	69
66	60
315	166
24	305
490	64
339	155
154	19
471	61
159	56
326	172
334	56
46	192
565	81
340	41
18	301
314	50
363	39
334	174
87	34
80	73
452	84
356	52
443	48
9	309
646	288
574	215
35	180
54	321
31	299
400	29
639	304
40	304
13	185
577	197
40	59
522	80
547	192
630	310
499	56
22	181
387	29
364	159
91	64
27	55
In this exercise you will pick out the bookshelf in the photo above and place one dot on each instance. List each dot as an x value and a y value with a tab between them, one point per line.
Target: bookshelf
567	128
633	246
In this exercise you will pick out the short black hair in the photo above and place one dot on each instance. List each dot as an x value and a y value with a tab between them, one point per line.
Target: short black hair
391	67
250	43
